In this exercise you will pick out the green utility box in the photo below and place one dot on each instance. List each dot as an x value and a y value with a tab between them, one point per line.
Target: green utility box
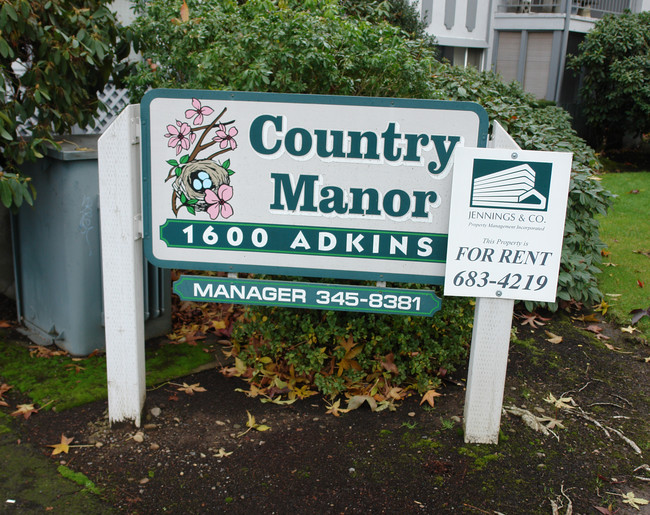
57	255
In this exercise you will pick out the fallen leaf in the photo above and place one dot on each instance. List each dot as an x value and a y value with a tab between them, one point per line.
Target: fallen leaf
4	388
396	393
357	400
335	409
645	253
640	283
191	388
25	410
221	453
602	307
351	352
43	352
605	511
64	446
4	324
586	318
430	397
251	424
638	314
629	329
533	320
611	347
551	423
553	338
389	363
562	402
219	324
633	501
597	330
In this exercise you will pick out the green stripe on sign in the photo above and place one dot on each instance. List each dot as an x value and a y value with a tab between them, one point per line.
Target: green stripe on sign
335	297
317	241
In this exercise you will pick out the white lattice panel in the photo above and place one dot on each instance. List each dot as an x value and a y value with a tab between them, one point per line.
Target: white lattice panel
115	101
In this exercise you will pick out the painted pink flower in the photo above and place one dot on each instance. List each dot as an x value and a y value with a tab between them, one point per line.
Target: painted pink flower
226	139
218	202
181	137
198	112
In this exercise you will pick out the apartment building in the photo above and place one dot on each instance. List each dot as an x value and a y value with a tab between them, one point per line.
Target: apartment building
523	40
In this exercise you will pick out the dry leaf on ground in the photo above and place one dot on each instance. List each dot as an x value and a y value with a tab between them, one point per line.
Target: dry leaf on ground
63	446
430	397
4	388
24	410
553	338
189	389
635	502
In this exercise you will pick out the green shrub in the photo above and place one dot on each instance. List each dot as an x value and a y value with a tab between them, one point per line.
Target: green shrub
54	57
318	47
546	128
262	47
311	346
615	60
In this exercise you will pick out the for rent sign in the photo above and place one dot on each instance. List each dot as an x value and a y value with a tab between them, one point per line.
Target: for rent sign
345	187
507	223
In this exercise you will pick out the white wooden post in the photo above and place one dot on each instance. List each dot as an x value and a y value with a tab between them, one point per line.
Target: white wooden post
488	357
122	261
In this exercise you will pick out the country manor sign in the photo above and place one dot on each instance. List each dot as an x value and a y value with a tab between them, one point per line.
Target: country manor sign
322	186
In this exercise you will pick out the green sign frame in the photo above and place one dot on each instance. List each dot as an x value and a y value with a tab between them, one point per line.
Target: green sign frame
309	185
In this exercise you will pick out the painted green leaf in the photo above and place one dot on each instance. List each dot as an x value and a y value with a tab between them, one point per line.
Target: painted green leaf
178	171
172	162
192	201
190	210
184	159
231	172
226	164
183	198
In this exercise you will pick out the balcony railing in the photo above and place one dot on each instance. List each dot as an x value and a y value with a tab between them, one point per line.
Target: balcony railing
599	8
588	8
530	6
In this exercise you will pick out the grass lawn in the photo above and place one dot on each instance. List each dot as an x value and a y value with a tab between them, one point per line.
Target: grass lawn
626	231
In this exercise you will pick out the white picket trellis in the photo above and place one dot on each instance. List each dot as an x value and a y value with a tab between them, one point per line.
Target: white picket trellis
113	98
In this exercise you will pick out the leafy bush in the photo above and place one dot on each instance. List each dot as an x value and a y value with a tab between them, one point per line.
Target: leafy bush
261	47
55	56
321	49
401	13
615	59
545	128
355	352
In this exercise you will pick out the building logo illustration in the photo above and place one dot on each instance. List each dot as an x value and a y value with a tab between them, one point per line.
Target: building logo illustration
516	187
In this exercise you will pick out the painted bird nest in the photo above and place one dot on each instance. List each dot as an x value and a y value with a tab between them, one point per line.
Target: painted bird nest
196	178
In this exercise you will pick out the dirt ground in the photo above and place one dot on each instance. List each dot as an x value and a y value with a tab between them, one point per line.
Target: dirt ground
195	453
